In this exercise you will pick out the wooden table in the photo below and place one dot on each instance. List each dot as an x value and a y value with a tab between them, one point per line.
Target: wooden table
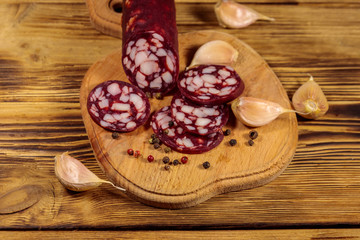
46	48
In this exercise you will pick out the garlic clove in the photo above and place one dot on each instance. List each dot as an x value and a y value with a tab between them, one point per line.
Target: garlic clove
255	112
74	175
231	14
310	101
215	52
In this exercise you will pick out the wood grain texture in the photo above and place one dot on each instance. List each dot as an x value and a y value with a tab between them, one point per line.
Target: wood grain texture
45	52
294	234
232	168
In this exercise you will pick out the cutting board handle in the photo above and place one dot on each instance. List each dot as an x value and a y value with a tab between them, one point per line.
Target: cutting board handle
106	16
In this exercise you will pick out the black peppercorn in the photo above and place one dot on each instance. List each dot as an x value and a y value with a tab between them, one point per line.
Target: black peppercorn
171	123
148	94
227	132
232	142
166	159
158	96
206	165
251	142
156	140
167	167
115	135
156	145
167	149
176	162
253	134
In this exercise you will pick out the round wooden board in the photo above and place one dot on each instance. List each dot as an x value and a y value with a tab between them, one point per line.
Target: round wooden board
232	168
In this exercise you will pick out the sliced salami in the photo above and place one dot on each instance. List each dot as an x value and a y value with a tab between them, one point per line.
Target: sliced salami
118	106
198	119
211	84
174	136
150	45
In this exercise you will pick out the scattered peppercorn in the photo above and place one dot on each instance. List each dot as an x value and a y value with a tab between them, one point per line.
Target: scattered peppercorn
150	158
153	135
251	142
167	149
158	96
115	135
130	151
156	140
166	159
137	153
167	167
232	142
253	134
148	94
227	132
176	162
184	159
156	145
206	165
171	123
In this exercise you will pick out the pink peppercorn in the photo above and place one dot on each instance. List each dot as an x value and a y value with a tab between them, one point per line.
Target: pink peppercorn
184	159
150	158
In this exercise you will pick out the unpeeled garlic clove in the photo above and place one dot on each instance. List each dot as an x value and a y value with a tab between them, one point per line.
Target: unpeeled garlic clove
231	14
255	112
75	176
310	101
215	52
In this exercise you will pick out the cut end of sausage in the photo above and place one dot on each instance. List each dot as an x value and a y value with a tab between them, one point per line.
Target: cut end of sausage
175	137
198	119
211	84
118	106
150	63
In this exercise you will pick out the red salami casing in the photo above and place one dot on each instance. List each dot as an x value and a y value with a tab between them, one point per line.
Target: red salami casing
150	44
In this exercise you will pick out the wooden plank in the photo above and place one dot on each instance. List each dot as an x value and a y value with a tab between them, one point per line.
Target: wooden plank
45	52
294	234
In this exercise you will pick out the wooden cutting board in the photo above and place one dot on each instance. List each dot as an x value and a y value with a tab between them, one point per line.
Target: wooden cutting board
232	168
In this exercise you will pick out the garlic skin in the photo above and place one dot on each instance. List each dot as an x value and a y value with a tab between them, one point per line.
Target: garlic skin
215	52
310	101
256	112
231	14
74	175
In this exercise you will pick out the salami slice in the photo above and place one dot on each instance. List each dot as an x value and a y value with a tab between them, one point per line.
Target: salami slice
174	136
211	84
150	45
118	106
197	119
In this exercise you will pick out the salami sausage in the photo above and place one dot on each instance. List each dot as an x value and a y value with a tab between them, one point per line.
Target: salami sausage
174	136
150	45
197	119
210	84
118	106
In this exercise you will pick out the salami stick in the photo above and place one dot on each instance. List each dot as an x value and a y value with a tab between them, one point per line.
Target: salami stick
150	44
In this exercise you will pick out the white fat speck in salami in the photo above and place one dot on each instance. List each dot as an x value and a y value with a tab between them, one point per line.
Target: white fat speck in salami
198	119
179	140
118	106
210	84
